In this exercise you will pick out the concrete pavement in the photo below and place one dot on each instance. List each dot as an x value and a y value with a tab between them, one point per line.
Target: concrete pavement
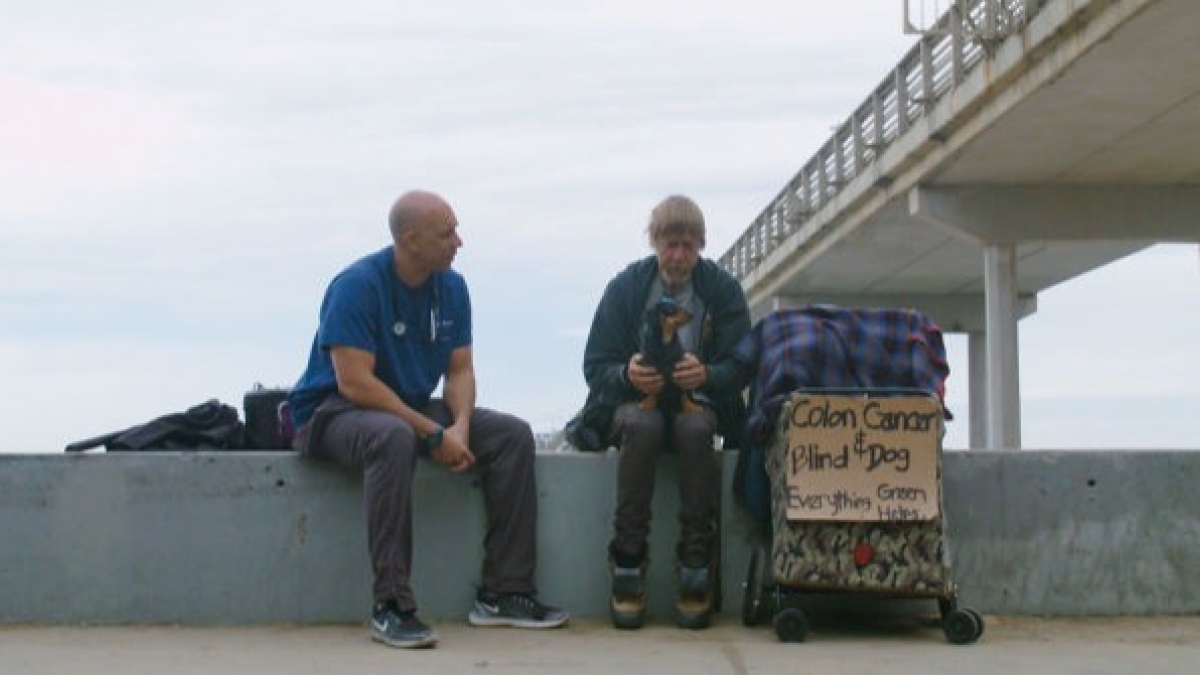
1027	645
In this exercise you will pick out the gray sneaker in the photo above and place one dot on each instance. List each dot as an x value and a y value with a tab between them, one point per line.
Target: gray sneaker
519	610
400	629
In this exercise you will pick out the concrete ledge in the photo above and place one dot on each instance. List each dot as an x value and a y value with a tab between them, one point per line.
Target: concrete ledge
236	538
249	537
1076	533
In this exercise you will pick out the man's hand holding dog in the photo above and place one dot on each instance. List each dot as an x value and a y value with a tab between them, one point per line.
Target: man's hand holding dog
645	379
689	373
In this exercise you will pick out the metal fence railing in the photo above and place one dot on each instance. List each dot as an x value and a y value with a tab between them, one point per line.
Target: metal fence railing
941	60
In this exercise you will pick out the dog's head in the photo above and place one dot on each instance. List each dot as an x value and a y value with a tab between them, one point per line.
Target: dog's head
669	315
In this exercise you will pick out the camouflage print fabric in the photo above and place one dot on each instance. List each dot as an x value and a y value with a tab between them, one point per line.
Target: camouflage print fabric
900	558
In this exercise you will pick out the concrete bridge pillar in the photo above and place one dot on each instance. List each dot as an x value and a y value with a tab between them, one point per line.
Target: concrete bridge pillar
1003	402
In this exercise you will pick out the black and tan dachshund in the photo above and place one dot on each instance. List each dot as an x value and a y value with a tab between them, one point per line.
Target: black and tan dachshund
661	349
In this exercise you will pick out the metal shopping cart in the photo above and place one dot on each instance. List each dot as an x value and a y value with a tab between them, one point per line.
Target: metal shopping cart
856	507
824	481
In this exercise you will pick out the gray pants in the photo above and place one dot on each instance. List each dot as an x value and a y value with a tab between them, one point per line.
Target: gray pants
385	449
641	435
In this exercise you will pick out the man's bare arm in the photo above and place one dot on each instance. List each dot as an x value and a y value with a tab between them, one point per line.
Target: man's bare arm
355	370
356	380
459	390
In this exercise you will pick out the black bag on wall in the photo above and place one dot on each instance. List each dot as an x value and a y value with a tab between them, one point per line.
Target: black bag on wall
265	427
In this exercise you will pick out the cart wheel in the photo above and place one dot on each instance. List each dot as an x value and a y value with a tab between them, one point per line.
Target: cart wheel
978	619
791	625
962	627
754	595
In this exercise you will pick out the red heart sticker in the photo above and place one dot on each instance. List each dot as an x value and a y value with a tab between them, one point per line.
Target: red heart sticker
863	554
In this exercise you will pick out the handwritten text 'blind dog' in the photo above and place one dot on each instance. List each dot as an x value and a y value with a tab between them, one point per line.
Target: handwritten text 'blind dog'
861	458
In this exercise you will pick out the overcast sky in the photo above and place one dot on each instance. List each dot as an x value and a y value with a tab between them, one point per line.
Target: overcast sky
179	181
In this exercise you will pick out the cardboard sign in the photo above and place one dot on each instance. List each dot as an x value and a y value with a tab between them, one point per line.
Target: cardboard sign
863	458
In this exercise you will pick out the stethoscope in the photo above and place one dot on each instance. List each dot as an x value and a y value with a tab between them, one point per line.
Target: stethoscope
435	315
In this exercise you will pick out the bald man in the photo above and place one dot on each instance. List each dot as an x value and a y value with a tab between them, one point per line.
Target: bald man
392	326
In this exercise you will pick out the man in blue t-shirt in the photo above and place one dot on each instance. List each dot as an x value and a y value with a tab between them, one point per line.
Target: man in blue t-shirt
392	326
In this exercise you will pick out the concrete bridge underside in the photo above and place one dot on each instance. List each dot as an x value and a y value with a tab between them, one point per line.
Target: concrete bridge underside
984	171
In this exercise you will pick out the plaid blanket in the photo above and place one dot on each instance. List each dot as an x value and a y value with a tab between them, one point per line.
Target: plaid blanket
826	346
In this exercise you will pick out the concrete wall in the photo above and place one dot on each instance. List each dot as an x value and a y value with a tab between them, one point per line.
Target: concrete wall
234	538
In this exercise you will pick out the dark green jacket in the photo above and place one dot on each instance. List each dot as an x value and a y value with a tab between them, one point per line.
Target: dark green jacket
613	340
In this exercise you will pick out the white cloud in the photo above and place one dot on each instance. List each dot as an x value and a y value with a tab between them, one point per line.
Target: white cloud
68	147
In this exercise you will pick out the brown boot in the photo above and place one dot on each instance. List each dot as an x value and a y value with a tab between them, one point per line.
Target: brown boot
695	604
628	596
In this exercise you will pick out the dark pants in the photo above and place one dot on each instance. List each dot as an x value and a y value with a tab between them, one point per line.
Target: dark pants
642	434
385	449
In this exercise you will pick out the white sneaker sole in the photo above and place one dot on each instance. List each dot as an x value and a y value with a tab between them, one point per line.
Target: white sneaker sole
422	643
486	621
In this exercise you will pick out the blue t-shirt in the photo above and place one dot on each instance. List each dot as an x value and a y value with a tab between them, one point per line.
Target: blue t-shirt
411	331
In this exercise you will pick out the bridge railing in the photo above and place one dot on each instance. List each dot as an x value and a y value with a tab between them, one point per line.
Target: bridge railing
941	60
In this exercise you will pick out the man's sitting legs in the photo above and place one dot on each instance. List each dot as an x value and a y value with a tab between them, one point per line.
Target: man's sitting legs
386	450
641	434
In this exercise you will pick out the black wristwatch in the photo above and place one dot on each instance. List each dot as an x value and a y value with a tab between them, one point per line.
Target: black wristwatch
434	438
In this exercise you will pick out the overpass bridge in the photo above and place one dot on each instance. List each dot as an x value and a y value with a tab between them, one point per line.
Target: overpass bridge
1019	144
